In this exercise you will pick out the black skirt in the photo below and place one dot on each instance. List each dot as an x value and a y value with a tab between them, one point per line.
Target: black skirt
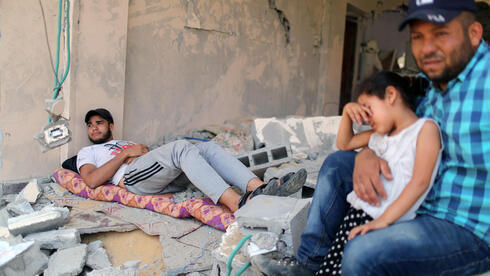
333	261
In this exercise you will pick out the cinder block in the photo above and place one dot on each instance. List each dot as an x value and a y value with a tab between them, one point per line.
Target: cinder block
282	215
55	239
261	159
46	219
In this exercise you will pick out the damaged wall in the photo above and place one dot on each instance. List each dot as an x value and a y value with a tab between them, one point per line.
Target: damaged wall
26	79
192	63
163	67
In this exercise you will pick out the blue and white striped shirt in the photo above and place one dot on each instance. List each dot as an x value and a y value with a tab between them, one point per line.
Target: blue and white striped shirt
461	191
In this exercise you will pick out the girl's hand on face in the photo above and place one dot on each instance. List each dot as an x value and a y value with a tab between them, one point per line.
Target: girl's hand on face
357	113
370	226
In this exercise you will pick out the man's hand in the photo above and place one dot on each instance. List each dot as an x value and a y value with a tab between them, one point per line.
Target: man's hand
363	229
366	177
134	151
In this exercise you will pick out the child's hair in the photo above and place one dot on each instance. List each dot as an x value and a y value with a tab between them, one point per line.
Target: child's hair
377	83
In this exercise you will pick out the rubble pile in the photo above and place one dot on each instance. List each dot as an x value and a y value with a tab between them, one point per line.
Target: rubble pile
33	243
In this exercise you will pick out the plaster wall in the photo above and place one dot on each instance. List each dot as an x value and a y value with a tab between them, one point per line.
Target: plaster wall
163	67
26	79
192	63
96	78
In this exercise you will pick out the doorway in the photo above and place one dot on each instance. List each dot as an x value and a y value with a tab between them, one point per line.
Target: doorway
348	61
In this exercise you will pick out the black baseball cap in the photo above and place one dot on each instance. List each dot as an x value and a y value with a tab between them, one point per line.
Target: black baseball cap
102	112
436	11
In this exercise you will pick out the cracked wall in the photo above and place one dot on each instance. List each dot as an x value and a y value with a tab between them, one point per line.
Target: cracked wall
163	67
192	63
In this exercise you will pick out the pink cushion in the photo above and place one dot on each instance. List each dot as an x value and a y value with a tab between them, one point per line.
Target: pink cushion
203	209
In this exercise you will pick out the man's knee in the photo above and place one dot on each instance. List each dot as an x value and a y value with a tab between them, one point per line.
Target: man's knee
360	255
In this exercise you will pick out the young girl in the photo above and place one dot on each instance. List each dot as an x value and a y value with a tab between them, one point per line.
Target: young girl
411	146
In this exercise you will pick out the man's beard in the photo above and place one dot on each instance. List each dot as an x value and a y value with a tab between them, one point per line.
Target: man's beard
103	139
460	58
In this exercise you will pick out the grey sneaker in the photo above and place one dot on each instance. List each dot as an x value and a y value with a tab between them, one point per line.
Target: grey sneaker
287	266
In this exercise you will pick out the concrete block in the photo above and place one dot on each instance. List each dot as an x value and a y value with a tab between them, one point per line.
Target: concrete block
259	160
97	256
21	259
67	261
278	215
55	239
46	219
31	191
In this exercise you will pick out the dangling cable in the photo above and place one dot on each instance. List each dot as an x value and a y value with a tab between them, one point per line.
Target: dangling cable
57	84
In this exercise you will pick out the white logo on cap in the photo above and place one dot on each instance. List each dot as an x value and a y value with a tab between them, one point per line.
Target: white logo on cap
424	2
436	18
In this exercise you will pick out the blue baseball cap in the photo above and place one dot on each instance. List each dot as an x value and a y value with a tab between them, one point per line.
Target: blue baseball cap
436	11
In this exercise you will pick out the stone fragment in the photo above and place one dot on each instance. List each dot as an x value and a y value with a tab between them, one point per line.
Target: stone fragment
21	259
97	256
31	191
55	239
46	219
67	261
20	207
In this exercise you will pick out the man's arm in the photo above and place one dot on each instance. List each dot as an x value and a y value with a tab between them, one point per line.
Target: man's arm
94	177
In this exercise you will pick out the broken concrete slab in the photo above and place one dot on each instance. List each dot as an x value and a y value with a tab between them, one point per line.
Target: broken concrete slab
195	249
21	259
97	256
55	239
46	219
20	207
277	215
31	192
67	261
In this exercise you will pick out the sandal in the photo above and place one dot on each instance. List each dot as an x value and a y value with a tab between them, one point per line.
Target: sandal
284	186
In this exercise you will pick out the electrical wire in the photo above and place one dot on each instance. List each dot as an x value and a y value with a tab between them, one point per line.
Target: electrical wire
58	84
47	40
232	255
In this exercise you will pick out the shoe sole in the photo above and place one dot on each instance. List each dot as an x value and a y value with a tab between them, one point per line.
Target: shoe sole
294	184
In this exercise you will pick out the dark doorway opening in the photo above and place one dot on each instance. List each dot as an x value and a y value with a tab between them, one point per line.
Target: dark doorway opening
348	61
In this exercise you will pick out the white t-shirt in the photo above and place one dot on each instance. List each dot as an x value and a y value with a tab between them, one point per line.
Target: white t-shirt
100	154
399	151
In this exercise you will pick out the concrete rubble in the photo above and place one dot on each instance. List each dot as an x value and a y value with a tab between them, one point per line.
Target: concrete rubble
42	224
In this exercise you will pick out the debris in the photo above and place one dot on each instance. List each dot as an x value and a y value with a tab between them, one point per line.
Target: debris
55	239
21	259
46	219
20	207
97	256
31	191
67	261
